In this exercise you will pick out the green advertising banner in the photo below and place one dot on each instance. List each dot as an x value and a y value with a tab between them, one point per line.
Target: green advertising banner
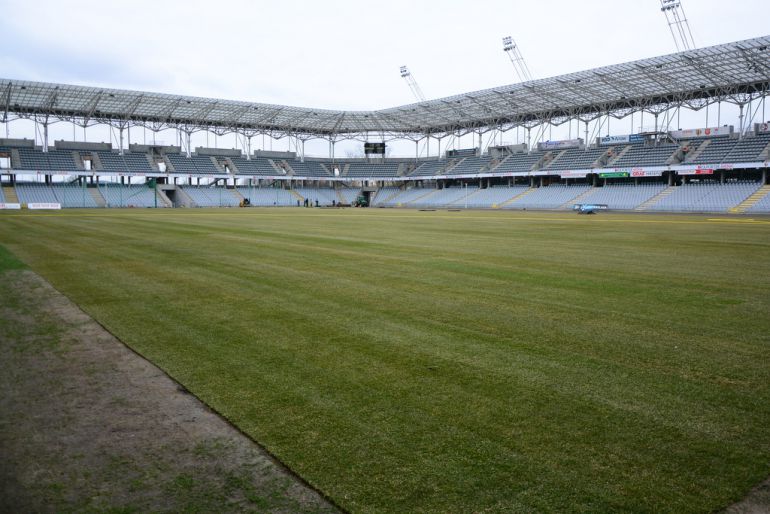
614	174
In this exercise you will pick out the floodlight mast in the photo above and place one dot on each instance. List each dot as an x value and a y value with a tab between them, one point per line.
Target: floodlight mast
416	91
519	65
677	23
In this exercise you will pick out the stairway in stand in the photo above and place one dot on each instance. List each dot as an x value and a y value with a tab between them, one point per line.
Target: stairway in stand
97	196
569	203
10	194
389	197
749	202
511	200
655	199
421	197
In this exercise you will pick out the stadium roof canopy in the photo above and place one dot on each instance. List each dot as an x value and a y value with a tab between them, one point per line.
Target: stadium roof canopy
734	72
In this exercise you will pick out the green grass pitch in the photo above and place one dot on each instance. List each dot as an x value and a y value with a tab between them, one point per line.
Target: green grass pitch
405	361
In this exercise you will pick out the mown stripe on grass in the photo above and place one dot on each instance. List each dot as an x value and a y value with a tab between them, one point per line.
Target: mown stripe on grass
402	362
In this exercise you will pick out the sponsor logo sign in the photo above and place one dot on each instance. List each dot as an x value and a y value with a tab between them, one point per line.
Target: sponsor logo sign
12	206
590	207
696	171
614	140
619	140
645	173
43	205
553	145
701	132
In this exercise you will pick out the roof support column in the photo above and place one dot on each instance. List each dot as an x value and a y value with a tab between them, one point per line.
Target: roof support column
529	139
45	135
188	150
740	121
719	113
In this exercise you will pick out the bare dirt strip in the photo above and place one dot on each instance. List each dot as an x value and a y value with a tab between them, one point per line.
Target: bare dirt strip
756	502
88	425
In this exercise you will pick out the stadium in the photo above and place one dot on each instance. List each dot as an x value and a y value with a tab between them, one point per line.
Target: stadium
704	169
421	324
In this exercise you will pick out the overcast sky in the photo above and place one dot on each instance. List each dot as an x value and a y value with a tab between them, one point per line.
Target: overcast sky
340	54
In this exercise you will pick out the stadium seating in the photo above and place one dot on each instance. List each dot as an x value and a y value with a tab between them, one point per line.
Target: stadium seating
469	165
623	196
701	151
430	168
53	160
255	166
35	193
715	151
384	193
577	158
365	170
128	162
269	196
33	159
696	196
112	162
705	197
403	197
68	195
493	196
117	195
762	206
212	196
748	149
642	155
551	197
195	164
307	169
519	162
62	160
444	197
324	195
348	195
